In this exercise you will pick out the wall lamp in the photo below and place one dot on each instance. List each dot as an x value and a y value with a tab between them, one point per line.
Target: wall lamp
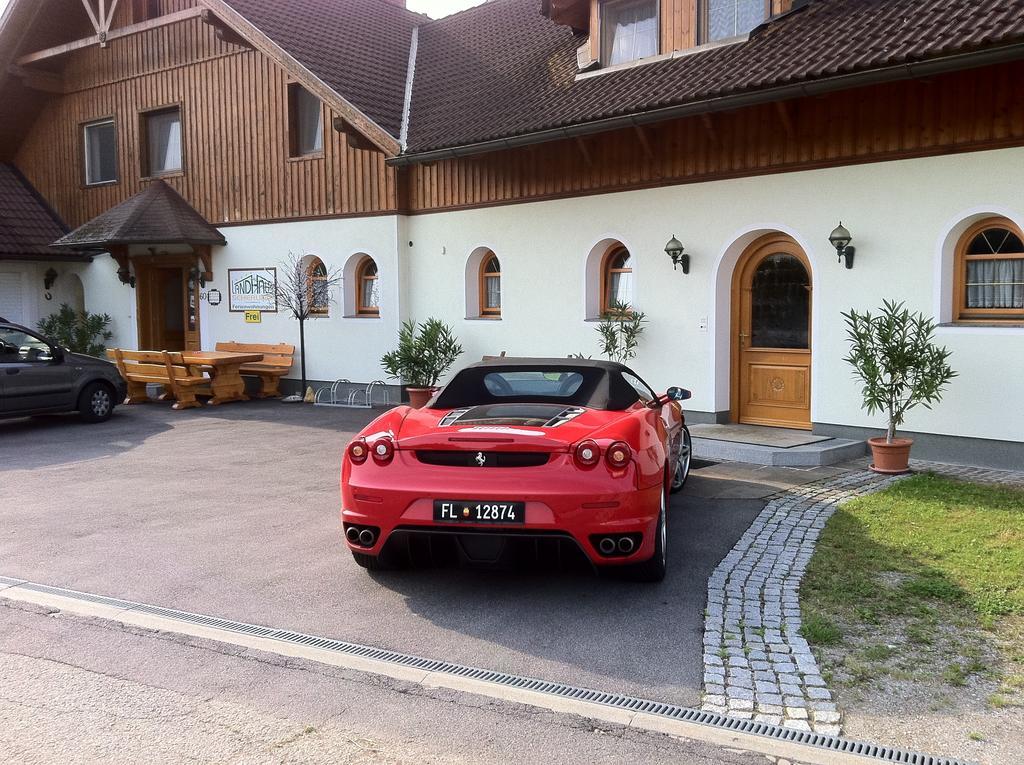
195	275
841	239
675	250
49	278
125	276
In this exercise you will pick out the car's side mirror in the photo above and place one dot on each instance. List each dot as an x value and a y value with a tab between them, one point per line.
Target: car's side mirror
56	354
678	394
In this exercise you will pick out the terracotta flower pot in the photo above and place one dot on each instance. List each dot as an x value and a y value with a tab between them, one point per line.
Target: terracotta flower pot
891	458
418	397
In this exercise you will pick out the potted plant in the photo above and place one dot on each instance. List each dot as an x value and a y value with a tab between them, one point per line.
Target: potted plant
893	355
424	353
620	330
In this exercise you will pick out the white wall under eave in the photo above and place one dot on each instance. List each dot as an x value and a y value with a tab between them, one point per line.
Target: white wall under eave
900	213
337	346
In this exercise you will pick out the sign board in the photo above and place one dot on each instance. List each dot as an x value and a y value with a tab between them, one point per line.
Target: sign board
213	297
253	317
252	289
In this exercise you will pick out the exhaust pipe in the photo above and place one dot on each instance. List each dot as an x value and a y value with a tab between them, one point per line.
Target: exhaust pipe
367	538
606	545
626	545
352	534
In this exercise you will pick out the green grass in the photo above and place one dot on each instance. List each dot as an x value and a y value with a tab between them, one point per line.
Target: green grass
930	555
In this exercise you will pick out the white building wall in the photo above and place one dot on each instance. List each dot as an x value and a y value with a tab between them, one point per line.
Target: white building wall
901	215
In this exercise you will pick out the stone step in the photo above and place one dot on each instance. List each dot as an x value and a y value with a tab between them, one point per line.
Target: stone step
829	452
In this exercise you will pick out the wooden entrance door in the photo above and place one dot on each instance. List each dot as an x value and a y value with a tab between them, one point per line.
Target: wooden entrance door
771	325
168	304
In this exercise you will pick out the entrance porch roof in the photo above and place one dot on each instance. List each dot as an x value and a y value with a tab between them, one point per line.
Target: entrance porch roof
157	215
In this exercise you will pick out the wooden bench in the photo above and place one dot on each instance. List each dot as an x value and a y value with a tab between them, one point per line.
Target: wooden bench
161	368
277	360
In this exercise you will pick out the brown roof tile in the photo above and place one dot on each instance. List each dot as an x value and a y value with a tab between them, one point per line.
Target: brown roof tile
360	48
502	69
27	224
156	215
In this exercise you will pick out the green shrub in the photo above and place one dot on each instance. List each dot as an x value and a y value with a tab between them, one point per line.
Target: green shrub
78	331
424	353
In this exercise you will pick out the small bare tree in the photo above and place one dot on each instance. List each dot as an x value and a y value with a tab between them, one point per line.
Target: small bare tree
304	293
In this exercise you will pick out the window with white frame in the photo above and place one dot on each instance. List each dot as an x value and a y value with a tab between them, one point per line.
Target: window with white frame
163	136
629	30
100	152
724	19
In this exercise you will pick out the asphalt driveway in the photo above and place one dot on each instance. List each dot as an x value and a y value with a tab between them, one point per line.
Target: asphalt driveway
233	511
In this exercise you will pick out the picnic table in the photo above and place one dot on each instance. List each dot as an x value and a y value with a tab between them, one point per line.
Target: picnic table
226	383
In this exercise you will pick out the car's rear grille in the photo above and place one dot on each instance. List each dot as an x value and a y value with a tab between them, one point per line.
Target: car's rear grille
459	458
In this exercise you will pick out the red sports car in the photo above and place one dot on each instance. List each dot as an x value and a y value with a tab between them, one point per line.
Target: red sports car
520	454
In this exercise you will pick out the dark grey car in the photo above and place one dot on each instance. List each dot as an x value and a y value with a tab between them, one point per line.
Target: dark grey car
37	376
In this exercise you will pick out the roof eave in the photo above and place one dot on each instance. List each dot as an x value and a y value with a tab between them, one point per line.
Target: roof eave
874	76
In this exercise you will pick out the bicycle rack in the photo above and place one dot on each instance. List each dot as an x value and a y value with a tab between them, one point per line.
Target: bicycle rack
345	393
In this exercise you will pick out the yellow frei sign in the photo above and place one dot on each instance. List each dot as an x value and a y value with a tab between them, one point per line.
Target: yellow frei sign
253	317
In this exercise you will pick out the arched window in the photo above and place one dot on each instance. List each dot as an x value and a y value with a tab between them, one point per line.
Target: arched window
367	288
616	279
989	276
490	286
316	287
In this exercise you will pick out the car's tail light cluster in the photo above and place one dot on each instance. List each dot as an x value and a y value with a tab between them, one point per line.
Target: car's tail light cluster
383	450
587	454
358	451
618	454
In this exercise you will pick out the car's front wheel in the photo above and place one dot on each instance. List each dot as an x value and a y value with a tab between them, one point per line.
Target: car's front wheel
682	471
653	569
96	402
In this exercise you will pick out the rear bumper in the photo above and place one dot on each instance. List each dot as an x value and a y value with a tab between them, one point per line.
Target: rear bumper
562	501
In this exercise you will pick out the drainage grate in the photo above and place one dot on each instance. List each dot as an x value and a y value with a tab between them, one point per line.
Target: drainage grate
616	700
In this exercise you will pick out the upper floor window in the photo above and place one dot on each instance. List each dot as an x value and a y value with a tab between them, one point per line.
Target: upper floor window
305	122
163	141
100	155
367	288
616	279
490	286
723	19
990	272
629	30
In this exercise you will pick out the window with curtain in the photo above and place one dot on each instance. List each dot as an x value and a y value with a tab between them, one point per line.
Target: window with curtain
617	279
732	18
990	272
316	279
163	134
490	286
629	30
305	121
100	152
368	287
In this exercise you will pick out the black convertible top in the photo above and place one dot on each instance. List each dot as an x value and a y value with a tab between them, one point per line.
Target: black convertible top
602	385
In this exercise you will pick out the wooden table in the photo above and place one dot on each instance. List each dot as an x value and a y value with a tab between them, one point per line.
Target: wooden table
226	383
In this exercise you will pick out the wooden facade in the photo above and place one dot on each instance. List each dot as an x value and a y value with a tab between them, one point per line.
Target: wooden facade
234	112
965	111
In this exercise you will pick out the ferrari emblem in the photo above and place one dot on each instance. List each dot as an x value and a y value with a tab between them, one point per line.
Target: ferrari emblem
481	459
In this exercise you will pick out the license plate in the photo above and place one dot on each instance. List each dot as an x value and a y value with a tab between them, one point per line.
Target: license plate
474	511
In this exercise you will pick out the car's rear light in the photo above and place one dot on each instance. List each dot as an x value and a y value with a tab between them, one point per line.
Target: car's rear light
619	454
358	451
587	454
383	450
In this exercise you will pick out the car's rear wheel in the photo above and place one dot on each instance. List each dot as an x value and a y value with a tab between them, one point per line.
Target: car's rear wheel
653	569
682	471
96	402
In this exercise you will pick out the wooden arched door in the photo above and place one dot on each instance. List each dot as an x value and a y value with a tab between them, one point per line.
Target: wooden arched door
771	335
